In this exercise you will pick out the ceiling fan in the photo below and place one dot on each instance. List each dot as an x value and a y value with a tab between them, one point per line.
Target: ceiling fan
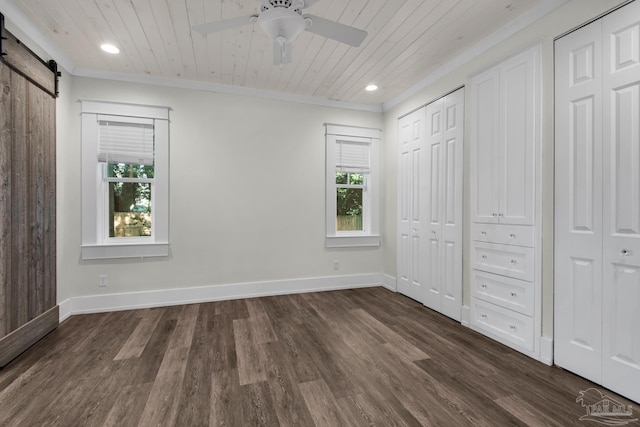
283	21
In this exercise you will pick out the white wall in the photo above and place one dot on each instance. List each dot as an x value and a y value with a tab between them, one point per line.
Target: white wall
246	192
545	30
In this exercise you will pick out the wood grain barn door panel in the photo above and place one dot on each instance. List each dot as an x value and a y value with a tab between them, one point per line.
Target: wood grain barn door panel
28	309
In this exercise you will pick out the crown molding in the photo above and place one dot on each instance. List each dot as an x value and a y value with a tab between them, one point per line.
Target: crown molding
219	88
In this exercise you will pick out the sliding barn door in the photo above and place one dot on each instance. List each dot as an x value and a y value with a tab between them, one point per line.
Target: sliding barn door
28	309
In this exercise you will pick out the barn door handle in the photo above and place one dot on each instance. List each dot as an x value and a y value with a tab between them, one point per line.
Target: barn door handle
626	252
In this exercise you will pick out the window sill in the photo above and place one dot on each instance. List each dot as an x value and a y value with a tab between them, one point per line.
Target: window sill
125	250
352	241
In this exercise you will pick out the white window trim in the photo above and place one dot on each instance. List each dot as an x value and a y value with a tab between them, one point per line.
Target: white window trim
371	222
95	245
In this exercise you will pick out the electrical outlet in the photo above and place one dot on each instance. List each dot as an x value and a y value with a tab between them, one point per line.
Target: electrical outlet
103	281
336	264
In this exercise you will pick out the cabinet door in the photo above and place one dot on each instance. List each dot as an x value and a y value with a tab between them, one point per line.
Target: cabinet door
516	156
621	216
411	186
485	157
578	203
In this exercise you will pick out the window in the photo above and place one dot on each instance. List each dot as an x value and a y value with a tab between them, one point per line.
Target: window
125	171
352	186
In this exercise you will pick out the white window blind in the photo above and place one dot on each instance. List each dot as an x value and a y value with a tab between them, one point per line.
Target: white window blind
353	157
125	141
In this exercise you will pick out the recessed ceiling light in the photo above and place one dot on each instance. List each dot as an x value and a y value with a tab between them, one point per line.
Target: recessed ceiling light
371	88
109	48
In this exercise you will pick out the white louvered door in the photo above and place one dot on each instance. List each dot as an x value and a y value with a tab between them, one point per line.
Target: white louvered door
597	227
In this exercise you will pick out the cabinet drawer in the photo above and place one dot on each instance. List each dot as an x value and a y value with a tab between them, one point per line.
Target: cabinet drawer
520	235
506	260
514	294
512	327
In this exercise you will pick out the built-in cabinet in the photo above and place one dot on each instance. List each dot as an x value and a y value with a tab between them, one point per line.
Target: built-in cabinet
430	204
505	204
597	201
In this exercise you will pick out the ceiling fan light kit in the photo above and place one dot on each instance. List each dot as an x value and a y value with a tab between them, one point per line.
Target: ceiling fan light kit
282	21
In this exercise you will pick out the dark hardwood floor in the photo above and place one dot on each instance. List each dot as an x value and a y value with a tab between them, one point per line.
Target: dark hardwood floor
358	357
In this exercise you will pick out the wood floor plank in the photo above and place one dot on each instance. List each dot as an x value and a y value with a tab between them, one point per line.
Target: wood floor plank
162	404
195	396
287	399
225	408
138	340
128	407
224	350
322	404
355	357
523	411
252	359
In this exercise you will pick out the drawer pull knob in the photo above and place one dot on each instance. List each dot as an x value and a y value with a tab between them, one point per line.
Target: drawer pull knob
483	233
484	257
494	215
483	286
433	232
500	215
513	295
513	328
513	262
512	236
626	252
484	317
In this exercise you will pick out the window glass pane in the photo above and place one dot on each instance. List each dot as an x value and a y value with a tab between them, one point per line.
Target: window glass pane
129	209
123	170
349	209
356	179
341	178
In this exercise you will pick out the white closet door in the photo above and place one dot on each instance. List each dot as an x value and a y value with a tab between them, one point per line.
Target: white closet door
435	153
621	171
445	133
411	188
578	203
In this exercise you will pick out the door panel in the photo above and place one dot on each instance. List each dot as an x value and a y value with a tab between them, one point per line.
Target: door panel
445	132
411	177
578	203
516	184
621	219
484	147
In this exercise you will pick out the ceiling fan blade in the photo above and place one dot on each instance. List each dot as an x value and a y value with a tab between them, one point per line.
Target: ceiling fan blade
336	31
308	3
281	53
213	27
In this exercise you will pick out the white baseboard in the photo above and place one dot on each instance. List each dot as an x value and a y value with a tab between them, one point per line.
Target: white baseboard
193	295
389	282
546	350
465	315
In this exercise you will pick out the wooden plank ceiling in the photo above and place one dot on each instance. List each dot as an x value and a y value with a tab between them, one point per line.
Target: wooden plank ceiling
407	40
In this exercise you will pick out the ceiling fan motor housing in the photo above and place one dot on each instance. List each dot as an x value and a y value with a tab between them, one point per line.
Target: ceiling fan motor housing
281	23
